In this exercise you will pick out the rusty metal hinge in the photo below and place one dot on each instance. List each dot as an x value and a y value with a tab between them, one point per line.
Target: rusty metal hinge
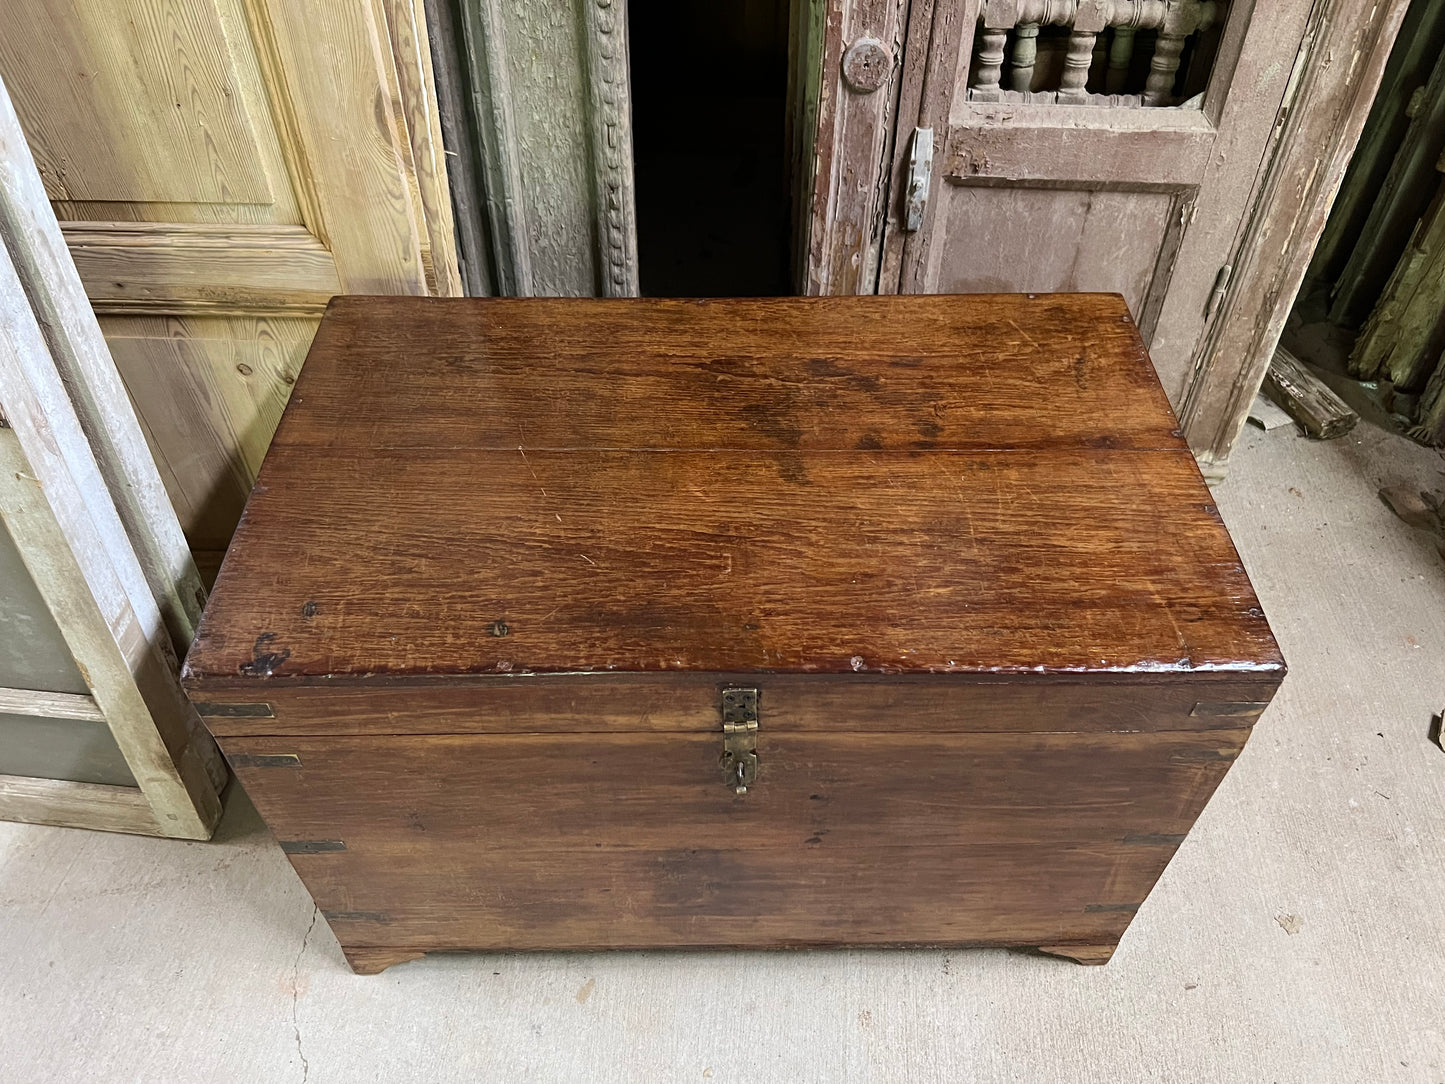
739	764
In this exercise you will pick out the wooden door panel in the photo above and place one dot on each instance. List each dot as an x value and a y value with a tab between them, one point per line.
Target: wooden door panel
1129	149
1069	188
145	102
213	389
997	239
222	168
1247	111
144	267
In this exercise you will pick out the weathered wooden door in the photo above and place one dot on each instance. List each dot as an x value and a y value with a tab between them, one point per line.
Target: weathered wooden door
221	168
1121	169
1075	145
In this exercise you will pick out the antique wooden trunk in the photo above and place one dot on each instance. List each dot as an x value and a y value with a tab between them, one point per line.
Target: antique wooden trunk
573	624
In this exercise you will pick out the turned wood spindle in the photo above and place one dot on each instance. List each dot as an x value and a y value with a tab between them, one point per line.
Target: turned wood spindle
990	60
1121	56
1076	68
1048	12
1021	58
1163	66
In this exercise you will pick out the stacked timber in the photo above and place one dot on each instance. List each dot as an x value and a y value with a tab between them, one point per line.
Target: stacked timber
1403	340
1380	264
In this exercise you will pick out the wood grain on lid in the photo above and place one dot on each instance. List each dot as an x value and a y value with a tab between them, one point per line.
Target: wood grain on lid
1044	520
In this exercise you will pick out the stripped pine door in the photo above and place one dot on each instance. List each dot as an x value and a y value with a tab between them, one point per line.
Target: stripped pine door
1053	145
221	168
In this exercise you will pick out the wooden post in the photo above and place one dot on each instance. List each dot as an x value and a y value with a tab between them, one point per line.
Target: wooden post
1163	67
1430	427
1077	61
1090	19
990	64
1398	204
1402	337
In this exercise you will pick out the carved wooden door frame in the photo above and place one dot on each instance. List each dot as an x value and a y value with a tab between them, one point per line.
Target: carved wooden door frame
547	132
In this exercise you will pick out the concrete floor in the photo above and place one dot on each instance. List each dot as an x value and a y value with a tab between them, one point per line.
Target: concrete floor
1297	936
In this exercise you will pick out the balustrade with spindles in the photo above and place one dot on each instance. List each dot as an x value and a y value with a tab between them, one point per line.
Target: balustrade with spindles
1009	31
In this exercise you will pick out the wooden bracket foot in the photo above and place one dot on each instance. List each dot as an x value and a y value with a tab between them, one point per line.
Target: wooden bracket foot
373	961
1081	954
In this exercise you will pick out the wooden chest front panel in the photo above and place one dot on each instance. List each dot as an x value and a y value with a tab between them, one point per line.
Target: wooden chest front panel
629	839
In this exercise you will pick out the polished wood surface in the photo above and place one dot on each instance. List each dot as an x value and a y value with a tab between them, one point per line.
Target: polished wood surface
831	374
895	485
467	649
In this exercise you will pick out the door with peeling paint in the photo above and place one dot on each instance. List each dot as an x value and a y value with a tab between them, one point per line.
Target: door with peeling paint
1051	145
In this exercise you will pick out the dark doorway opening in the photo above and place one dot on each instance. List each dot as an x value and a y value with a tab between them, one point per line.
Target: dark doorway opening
709	105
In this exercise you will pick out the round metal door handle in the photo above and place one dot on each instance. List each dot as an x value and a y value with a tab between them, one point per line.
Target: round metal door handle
866	65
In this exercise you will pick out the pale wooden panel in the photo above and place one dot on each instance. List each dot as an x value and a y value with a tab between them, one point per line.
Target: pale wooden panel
1041	240
50	705
53	291
132	267
115	636
76	805
328	68
132	100
226	214
76	496
209	392
33	654
82	751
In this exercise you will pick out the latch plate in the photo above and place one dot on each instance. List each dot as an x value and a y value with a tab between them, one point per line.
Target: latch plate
739	763
920	174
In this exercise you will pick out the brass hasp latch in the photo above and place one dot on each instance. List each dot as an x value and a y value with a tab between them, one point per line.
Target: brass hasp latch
739	764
